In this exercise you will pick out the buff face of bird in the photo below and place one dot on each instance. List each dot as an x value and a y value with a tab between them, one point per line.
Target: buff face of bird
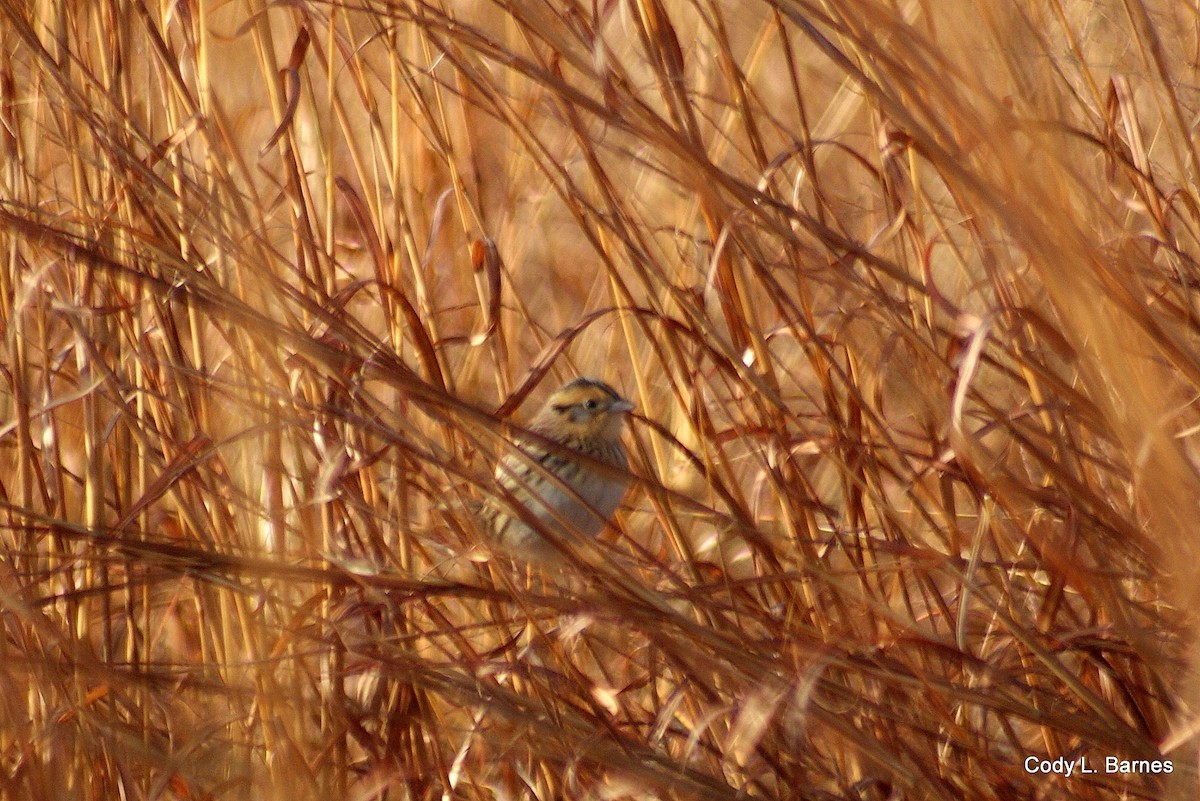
564	495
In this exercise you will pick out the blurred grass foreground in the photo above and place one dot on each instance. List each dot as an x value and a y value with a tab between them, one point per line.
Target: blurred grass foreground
907	296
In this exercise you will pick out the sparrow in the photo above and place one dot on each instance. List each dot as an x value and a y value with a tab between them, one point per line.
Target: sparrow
569	477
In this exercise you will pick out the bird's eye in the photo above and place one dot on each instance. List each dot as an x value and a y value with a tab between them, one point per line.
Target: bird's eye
591	403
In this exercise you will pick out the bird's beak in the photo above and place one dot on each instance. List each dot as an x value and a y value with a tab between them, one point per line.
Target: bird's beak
621	406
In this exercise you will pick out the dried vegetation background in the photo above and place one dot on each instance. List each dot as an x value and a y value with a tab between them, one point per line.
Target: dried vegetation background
906	294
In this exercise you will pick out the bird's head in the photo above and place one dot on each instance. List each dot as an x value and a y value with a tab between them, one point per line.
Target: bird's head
583	409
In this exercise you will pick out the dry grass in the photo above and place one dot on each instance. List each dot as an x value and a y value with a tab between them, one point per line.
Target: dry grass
907	296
